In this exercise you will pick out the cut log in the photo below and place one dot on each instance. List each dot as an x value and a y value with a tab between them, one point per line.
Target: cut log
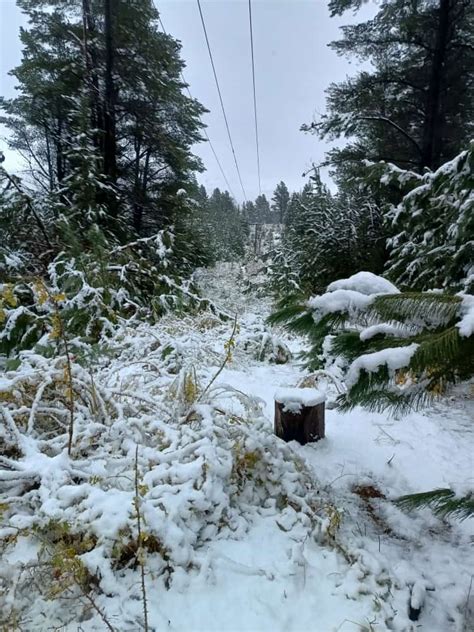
299	415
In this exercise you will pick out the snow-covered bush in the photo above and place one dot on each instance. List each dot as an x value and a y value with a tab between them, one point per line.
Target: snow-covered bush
193	468
433	226
325	237
265	346
86	296
396	350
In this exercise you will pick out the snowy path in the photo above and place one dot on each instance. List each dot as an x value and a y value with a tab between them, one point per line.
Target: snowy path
285	585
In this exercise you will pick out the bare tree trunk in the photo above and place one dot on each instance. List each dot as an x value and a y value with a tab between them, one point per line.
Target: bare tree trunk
110	141
137	207
90	53
58	141
48	158
431	143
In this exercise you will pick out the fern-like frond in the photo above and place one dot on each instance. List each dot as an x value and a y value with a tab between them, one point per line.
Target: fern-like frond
287	311
377	392
443	502
430	309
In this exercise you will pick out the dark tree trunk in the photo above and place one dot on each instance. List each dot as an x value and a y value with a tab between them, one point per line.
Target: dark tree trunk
431	142
92	66
48	158
58	141
140	188
306	426
137	207
110	141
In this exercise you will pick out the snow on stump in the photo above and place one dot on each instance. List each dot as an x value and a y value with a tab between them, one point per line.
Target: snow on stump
299	414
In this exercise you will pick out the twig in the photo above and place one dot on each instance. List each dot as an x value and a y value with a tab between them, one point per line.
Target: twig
29	203
466	607
326	374
230	343
70	391
96	608
140	548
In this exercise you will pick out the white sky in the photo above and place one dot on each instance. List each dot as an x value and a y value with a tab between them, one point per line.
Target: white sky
294	66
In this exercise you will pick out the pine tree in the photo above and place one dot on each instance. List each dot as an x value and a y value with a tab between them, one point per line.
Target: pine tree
103	121
227	226
414	107
398	350
263	214
280	199
433	226
248	212
143	124
325	237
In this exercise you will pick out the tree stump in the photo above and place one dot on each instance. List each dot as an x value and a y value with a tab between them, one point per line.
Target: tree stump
299	415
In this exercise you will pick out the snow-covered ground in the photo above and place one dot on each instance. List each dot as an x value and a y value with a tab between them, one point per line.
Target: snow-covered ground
356	564
368	454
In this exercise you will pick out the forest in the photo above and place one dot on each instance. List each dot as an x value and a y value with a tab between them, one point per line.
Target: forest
157	333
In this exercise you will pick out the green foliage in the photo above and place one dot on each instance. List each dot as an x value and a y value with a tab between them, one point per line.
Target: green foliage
443	502
92	292
110	225
433	227
154	123
326	237
280	202
222	224
425	323
414	106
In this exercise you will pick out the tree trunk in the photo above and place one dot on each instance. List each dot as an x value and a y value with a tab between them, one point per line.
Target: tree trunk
58	142
305	426
431	142
92	66
110	141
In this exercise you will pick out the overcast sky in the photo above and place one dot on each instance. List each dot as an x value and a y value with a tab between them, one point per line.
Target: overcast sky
294	66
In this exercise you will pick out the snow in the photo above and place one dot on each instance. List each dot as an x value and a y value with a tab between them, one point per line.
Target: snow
339	300
248	522
365	283
294	399
383	328
466	324
393	358
348	295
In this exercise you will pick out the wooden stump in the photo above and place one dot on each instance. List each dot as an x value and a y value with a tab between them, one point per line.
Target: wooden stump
305	426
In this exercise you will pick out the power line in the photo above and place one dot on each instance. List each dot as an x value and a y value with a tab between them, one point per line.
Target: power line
204	129
220	98
254	96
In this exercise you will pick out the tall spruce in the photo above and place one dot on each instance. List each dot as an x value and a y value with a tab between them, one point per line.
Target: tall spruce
227	226
263	214
280	201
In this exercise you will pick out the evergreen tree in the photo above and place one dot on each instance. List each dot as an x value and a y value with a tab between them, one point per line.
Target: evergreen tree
280	199
143	124
263	214
414	107
394	351
102	120
433	226
227	226
248	212
397	350
326	237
